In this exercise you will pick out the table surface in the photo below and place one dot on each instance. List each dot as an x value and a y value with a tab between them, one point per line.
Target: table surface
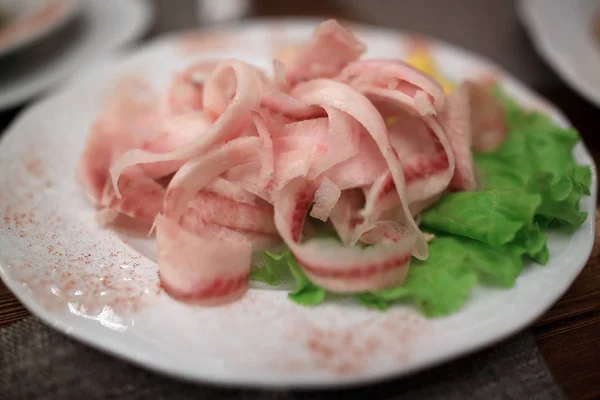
568	333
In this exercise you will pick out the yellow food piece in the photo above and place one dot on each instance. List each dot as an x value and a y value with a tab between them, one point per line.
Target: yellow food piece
422	60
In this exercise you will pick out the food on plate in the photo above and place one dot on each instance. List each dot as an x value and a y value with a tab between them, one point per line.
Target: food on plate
345	176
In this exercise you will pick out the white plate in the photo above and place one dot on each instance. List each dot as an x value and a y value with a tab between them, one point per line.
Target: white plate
105	25
90	284
29	20
563	33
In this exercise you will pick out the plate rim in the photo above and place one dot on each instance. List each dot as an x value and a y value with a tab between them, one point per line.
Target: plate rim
508	330
527	11
74	7
145	14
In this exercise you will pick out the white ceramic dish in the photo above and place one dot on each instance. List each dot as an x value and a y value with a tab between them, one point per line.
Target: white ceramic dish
29	20
563	33
94	286
105	26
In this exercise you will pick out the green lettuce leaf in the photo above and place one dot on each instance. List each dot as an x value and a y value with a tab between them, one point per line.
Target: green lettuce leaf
306	293
535	144
439	285
442	283
560	199
538	154
372	301
275	268
495	217
533	243
282	266
538	145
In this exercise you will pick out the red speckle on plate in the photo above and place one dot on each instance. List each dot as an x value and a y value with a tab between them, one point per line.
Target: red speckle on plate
53	258
34	167
349	349
320	348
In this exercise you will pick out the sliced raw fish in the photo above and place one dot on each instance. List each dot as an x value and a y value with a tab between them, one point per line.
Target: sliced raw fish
228	162
330	49
332	266
488	124
186	90
186	276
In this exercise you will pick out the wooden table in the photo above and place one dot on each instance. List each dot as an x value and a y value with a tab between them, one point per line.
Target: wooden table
569	333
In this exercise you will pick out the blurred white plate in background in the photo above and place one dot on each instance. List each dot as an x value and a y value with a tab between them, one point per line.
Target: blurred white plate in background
105	25
563	33
24	21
